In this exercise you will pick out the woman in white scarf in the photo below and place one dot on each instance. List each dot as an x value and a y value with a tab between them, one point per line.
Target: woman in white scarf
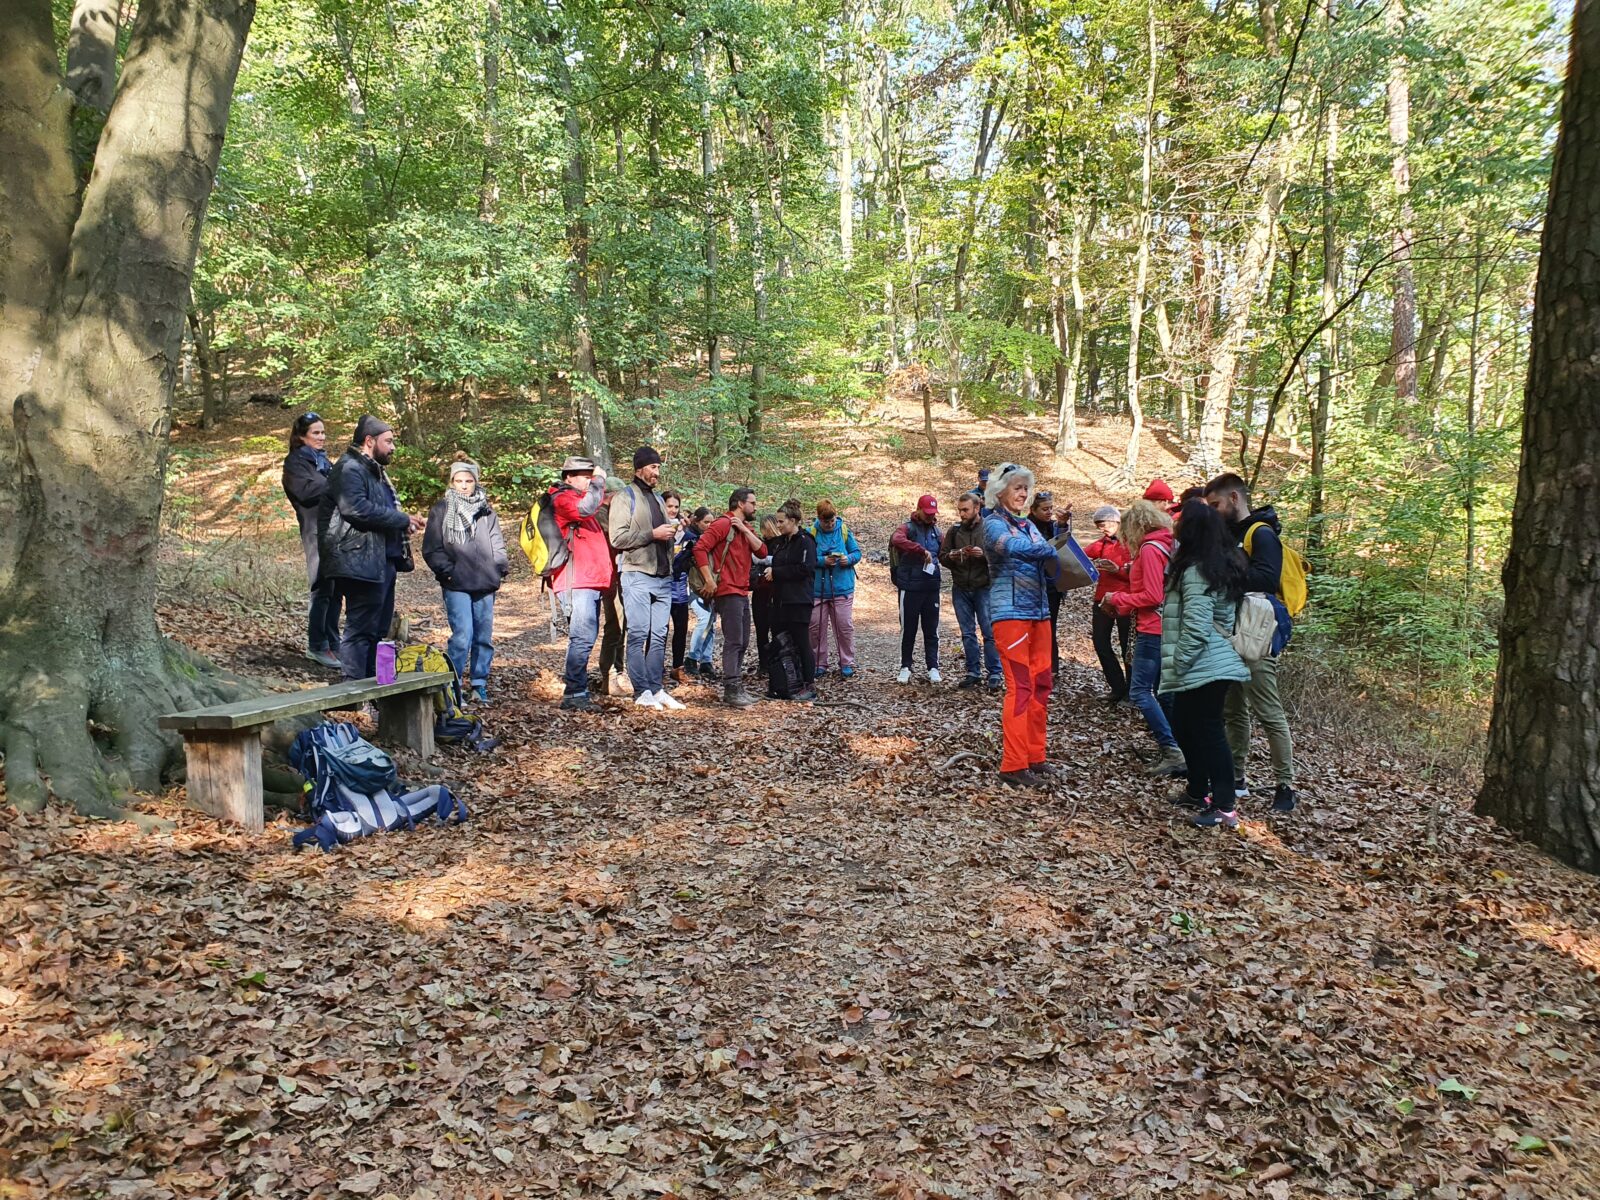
466	552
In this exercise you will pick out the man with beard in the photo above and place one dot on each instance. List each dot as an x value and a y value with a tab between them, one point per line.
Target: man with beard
364	539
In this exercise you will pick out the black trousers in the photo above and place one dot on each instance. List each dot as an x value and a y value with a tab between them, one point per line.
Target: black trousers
613	635
1114	667
1055	640
761	618
680	633
919	609
368	613
1203	737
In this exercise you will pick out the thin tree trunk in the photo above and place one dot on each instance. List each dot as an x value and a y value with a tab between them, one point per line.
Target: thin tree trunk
1322	417
988	129
708	166
1067	414
586	385
489	184
1542	776
210	402
758	284
1056	313
1141	273
84	672
356	99
1471	503
1403	343
1254	264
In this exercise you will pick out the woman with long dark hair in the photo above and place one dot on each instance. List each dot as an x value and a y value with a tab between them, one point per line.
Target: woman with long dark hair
1205	585
305	478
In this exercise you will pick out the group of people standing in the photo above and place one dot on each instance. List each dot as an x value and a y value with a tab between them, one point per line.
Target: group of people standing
774	581
357	540
1171	578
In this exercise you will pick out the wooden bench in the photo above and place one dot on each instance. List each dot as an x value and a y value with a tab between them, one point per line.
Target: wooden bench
223	743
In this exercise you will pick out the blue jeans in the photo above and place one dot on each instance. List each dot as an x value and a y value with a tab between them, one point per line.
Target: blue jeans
647	609
705	630
471	633
972	615
582	606
1142	688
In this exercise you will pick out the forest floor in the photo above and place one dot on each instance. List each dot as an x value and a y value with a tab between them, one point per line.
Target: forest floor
787	952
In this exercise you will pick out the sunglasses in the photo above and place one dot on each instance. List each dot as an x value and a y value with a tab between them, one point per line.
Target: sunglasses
1038	496
311	418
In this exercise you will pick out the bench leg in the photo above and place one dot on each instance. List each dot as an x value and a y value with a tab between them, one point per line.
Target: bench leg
225	775
408	721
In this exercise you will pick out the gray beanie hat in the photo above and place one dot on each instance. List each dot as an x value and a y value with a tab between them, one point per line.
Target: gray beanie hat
1106	512
464	464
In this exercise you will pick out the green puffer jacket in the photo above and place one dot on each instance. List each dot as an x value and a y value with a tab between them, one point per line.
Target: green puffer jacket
1194	637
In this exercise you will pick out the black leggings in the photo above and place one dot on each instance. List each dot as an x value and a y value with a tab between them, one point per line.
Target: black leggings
1055	641
680	633
1115	668
1198	727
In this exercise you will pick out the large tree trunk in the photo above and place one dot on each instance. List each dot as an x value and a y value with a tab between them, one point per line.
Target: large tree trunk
84	671
1542	776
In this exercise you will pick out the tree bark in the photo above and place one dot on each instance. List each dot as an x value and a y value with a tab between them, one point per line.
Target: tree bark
210	400
84	671
1322	416
489	184
1141	271
1542	775
35	123
709	234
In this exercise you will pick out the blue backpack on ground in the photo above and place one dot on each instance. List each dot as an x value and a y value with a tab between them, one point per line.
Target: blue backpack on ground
352	789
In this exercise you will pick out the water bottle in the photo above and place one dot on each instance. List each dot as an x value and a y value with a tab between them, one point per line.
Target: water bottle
386	653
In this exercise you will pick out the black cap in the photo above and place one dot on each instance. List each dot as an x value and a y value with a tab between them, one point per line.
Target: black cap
644	456
369	427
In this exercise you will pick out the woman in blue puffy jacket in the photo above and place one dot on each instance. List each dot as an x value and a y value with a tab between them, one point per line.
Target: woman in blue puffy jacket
1022	562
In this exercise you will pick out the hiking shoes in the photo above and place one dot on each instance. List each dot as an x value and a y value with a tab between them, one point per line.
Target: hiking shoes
325	658
1241	789
997	684
1182	799
971	681
480	694
809	694
934	676
1212	817
579	703
904	676
737	697
1021	779
847	672
1171	762
1283	799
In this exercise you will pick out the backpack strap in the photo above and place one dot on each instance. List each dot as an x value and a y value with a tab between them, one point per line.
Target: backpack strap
1249	536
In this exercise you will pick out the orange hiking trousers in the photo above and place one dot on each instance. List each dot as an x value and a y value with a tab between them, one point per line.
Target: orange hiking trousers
1025	655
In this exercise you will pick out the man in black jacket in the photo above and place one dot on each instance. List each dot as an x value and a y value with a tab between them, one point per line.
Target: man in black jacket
364	539
1260	536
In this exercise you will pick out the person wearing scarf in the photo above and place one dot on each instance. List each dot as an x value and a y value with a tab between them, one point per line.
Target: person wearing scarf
466	552
1022	565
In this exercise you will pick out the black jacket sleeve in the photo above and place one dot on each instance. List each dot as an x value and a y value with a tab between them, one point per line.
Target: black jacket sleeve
357	504
1266	561
302	482
497	539
798	563
434	551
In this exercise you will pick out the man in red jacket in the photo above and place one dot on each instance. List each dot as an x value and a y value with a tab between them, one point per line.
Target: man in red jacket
586	576
727	548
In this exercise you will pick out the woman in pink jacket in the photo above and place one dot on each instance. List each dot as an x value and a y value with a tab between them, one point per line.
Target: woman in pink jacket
1147	532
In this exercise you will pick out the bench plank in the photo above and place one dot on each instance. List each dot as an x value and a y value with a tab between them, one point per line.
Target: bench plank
262	710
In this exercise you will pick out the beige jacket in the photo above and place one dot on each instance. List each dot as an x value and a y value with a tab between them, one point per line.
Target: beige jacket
631	524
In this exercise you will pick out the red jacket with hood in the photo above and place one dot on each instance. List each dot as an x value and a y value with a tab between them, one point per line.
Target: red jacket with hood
1147	586
1116	551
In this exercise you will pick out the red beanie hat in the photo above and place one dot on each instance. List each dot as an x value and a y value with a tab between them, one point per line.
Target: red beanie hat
1158	491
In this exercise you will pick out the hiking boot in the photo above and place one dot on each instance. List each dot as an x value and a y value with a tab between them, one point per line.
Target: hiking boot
675	674
1180	798
1048	770
934	676
735	696
1024	778
971	681
1283	799
1171	762
579	703
904	676
1211	817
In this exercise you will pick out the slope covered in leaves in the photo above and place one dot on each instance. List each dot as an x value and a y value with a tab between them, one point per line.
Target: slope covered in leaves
794	953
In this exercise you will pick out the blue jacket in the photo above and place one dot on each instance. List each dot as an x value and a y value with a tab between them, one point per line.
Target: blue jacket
833	582
1018	557
682	560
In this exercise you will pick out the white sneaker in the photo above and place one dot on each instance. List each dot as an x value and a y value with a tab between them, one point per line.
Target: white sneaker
905	675
934	676
668	701
646	700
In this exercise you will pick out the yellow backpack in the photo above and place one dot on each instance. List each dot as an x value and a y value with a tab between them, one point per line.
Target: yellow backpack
1292	588
422	657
